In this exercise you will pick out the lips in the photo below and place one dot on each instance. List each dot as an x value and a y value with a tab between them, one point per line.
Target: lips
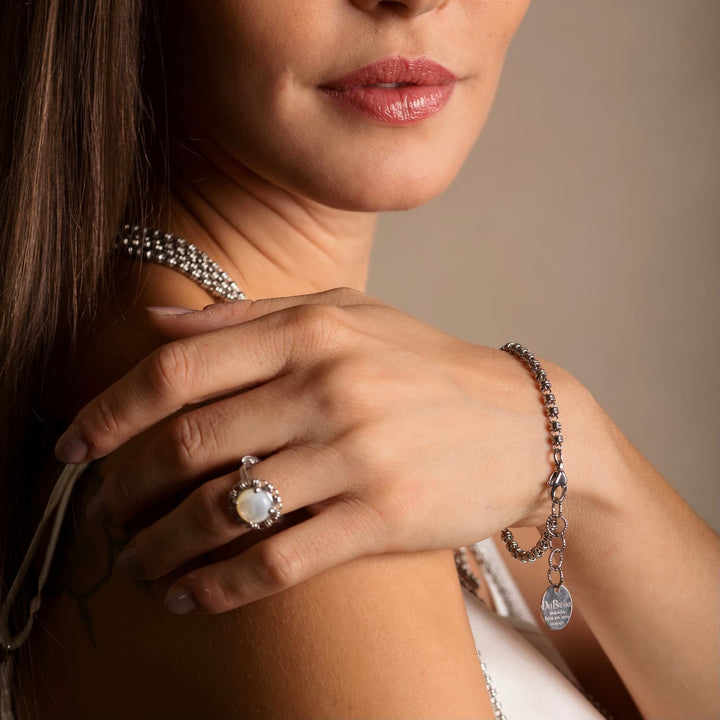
394	91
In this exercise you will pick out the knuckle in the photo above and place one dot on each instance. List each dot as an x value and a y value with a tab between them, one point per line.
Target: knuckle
278	566
315	327
190	441
340	389
206	510
343	295
331	391
376	522
170	370
397	509
347	296
108	422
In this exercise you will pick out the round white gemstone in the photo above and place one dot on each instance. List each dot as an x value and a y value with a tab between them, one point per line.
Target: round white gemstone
252	506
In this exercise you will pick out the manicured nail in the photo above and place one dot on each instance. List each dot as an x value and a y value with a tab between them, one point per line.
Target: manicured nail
71	448
97	512
169	310
180	601
128	563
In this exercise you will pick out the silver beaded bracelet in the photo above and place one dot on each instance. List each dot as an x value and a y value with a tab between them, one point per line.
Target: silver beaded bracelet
556	605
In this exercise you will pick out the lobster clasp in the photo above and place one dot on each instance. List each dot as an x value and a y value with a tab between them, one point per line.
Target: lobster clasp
557	479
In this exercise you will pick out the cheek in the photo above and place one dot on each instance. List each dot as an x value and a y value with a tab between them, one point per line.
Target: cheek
501	18
243	62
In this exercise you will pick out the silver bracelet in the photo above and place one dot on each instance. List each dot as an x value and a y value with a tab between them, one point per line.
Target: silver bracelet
556	605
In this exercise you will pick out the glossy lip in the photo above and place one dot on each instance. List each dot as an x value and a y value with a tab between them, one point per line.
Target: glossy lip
419	88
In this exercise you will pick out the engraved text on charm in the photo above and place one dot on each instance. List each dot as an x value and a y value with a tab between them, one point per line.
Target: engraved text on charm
556	607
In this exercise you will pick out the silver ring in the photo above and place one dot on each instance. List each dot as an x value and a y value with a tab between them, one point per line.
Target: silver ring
254	503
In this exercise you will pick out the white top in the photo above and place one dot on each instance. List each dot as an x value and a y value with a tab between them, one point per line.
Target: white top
527	673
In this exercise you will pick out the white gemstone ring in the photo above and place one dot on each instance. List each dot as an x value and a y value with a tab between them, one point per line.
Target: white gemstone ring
254	503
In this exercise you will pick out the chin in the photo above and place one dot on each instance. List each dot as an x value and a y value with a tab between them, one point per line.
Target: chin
382	187
381	197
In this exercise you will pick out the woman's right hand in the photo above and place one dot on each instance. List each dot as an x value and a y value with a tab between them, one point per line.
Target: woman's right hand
393	435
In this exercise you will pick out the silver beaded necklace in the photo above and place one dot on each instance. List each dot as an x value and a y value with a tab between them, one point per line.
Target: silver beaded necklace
174	252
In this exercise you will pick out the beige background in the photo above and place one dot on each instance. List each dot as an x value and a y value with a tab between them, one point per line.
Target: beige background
585	223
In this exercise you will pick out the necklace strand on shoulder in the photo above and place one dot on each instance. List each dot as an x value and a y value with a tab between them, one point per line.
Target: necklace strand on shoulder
163	248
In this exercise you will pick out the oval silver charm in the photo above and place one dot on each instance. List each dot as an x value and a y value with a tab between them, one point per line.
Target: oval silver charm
556	607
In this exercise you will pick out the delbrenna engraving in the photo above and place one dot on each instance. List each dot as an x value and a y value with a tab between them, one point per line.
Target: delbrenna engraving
556	607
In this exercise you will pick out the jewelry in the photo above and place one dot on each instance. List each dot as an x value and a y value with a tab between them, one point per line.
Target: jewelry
556	605
468	579
253	502
160	248
177	253
497	707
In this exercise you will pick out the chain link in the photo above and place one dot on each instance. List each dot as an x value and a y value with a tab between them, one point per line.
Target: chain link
556	524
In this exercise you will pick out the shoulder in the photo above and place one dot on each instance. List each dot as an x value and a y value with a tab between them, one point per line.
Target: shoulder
364	639
121	334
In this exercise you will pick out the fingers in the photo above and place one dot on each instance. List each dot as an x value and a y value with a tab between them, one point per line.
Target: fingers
204	522
199	444
340	533
196	369
220	315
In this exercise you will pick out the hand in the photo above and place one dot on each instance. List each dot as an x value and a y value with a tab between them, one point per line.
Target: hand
392	435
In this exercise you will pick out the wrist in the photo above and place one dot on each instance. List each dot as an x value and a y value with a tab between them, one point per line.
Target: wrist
587	433
603	486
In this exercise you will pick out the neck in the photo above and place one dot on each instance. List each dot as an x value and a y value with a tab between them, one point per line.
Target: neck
271	242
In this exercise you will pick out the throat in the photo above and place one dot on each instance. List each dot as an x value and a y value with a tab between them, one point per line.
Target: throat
269	241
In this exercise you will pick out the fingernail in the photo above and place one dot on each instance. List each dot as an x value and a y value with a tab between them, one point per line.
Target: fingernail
128	563
169	310
180	602
97	512
71	448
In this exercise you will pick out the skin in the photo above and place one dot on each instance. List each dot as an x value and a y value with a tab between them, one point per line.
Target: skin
357	424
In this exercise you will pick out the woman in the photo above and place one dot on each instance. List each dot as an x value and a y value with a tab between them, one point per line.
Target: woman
284	140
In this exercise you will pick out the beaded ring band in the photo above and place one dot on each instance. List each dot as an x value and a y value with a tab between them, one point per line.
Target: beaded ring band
556	605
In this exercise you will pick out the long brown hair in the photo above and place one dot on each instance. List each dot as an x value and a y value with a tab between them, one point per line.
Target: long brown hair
71	168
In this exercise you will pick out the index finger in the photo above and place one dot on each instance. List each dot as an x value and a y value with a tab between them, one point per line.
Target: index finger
203	363
189	371
173	326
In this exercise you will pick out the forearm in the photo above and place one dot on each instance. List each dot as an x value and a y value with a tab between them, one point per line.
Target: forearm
644	569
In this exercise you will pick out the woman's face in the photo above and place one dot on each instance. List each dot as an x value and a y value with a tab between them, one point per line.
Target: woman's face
357	104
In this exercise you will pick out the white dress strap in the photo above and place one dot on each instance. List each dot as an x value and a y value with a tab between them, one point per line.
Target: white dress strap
516	653
57	506
510	604
527	685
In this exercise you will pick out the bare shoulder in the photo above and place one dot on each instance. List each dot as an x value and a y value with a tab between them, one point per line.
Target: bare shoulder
384	636
364	640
